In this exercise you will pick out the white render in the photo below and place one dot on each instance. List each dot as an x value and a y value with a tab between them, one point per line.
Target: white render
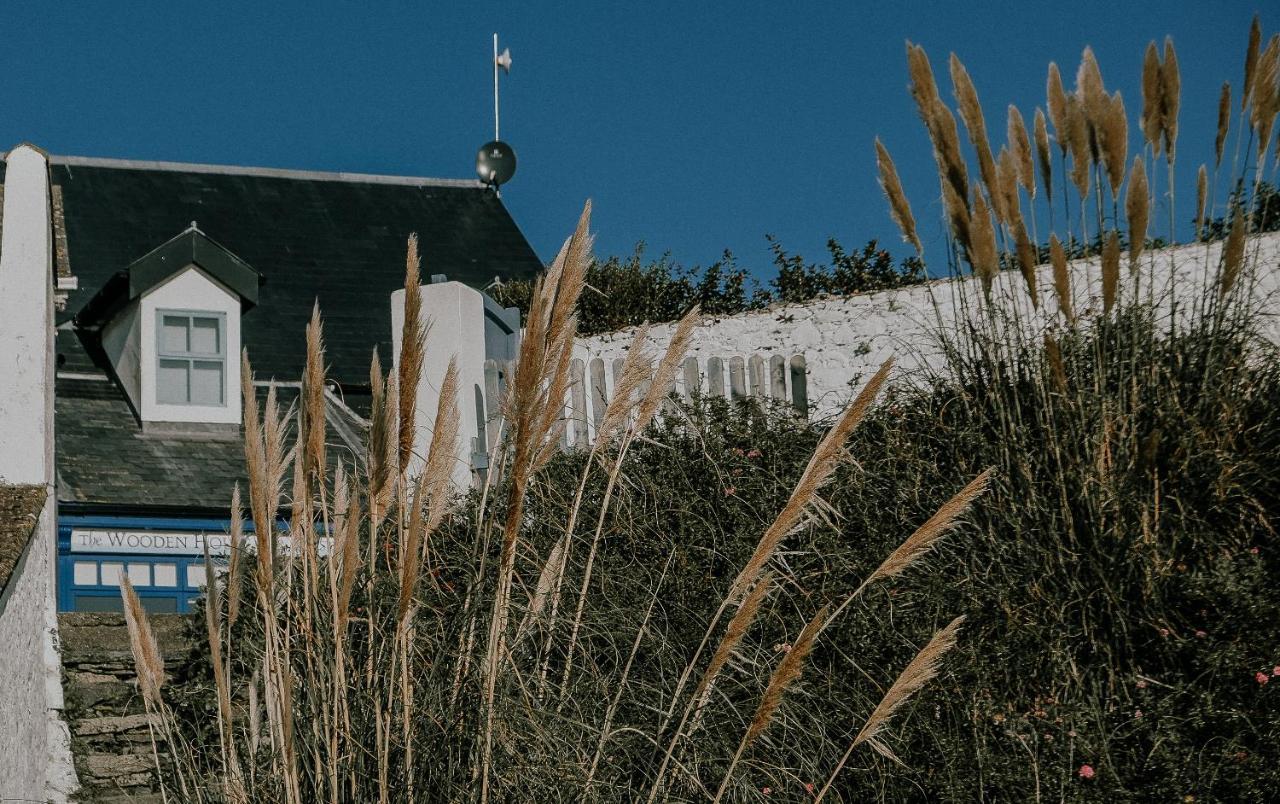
455	316
844	340
190	290
35	749
122	341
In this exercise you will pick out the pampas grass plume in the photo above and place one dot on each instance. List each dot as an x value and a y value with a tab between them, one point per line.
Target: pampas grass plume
1137	211
899	208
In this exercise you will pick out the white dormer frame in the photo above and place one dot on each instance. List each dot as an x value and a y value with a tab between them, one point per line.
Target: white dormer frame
195	293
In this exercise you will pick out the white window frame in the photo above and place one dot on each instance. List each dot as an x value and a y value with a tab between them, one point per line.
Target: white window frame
191	357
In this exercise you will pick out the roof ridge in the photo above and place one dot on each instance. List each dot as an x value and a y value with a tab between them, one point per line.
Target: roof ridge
279	173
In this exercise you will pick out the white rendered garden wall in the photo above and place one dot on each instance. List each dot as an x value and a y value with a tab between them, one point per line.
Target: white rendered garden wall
843	340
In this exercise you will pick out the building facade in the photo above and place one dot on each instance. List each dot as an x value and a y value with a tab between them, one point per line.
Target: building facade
165	272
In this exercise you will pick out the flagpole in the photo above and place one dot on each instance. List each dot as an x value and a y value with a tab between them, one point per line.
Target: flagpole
495	87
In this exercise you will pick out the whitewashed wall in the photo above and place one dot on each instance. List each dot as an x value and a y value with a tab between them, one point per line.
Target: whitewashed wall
35	757
844	340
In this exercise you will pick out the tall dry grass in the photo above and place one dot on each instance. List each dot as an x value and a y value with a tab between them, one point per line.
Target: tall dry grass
412	645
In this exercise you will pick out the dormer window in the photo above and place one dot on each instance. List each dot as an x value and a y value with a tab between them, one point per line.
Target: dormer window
169	327
192	353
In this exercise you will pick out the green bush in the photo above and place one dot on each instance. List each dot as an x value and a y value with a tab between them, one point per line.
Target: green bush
625	292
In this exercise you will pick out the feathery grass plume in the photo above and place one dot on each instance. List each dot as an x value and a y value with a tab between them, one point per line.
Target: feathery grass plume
1057	368
1020	145
431	491
637	366
1151	97
535	403
413	343
983	256
347	551
1233	253
1224	121
1092	92
733	634
923	87
804	502
1078	142
213	628
1170	99
254	459
1061	279
236	554
958	216
665	374
1202	191
975	124
1110	271
1137	210
312	404
1007	186
1264	105
1026	260
787	672
938	121
919	672
899	208
1251	61
952	162
1113	142
927	535
381	453
1057	100
1042	153
147	661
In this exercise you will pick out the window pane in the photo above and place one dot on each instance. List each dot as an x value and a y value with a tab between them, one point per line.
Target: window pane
111	572
166	574
171	382
140	574
204	336
85	573
206	382
173	334
97	603
195	575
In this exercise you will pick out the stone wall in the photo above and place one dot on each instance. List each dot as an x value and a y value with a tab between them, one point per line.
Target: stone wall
111	738
30	730
844	340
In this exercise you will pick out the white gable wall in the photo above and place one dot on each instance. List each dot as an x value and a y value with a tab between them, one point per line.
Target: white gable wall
122	341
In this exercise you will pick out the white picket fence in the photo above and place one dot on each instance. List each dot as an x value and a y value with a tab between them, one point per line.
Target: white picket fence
766	378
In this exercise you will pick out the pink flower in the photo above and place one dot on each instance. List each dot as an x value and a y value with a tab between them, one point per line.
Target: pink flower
1086	771
729	491
1261	678
738	451
808	788
1142	685
1253	550
1164	632
1201	634
753	453
1275	671
766	790
1137	714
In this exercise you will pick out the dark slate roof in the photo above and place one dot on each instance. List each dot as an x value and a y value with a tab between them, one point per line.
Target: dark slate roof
337	238
105	457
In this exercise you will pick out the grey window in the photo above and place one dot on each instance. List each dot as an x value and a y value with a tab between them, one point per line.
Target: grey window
192	352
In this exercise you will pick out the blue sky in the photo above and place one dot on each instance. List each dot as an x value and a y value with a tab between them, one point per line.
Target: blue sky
695	127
